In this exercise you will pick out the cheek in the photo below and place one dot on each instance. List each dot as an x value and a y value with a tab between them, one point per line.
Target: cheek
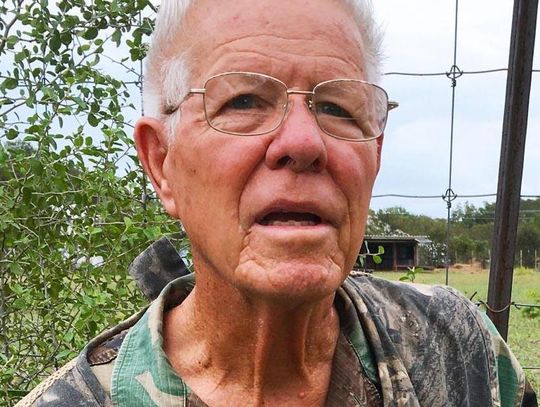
355	172
209	173
356	169
210	167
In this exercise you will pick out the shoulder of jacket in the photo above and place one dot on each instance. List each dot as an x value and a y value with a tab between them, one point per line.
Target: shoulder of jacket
104	347
59	375
83	380
367	281
102	358
100	354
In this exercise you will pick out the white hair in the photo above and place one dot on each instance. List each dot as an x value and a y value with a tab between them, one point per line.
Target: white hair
166	81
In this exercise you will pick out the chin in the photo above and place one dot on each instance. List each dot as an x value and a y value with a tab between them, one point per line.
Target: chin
292	281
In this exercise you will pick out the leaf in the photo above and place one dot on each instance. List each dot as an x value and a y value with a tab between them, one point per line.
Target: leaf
128	222
63	354
17	289
83	48
94	231
12	40
10	83
361	260
81	103
66	37
93	120
116	37
55	42
78	141
37	167
68	336
152	233
12	134
90	33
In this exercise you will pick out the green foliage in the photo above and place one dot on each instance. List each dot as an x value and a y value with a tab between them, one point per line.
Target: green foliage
375	256
528	241
396	220
74	208
411	273
463	248
523	271
433	254
533	312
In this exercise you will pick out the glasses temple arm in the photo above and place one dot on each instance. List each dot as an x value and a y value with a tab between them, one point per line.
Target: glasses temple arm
392	105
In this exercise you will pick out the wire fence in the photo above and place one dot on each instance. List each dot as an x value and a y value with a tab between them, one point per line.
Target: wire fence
449	196
74	208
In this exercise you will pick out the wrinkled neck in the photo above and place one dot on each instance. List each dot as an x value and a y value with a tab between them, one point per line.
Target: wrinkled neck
235	340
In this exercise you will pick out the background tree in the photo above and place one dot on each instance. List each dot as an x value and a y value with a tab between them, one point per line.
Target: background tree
528	242
74	208
472	229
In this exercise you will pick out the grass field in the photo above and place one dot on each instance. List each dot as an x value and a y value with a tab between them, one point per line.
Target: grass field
524	330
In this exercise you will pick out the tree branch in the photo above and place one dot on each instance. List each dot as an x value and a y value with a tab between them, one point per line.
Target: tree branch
3	39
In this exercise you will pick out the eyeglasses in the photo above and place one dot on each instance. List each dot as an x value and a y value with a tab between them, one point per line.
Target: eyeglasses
251	104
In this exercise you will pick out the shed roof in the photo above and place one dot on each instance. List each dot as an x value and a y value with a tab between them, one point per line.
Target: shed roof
397	238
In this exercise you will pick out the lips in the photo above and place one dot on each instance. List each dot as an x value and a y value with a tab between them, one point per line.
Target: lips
296	214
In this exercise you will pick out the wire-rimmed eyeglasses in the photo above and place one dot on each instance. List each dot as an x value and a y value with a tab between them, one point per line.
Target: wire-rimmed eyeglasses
251	104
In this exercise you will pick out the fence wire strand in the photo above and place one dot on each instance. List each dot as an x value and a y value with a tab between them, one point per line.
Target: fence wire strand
422	74
27	349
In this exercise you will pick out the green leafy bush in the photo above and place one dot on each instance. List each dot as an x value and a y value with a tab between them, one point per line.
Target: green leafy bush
74	207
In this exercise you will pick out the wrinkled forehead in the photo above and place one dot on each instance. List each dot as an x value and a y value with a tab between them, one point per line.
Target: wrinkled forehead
309	27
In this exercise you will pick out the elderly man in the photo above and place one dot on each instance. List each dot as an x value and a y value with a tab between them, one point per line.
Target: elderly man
263	136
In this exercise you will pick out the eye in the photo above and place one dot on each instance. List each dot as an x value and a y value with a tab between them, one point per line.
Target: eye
244	102
332	109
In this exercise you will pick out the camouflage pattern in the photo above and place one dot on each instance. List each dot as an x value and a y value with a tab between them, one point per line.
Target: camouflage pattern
75	384
158	265
400	345
413	330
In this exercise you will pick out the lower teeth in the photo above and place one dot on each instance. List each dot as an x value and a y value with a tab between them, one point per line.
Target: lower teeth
291	223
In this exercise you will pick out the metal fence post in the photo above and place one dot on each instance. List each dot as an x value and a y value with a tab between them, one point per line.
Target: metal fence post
511	162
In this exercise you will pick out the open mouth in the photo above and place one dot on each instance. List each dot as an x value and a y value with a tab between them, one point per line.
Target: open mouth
290	219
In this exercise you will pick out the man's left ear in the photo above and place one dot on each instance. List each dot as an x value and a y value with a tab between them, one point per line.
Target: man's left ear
151	141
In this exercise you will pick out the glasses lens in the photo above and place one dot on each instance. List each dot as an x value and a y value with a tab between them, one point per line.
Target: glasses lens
350	109
245	104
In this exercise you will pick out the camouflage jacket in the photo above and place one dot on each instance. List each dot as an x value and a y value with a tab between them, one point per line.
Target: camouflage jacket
400	345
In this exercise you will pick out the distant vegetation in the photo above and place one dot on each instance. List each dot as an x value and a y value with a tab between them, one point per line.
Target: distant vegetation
471	232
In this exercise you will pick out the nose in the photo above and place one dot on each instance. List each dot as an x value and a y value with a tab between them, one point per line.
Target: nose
298	143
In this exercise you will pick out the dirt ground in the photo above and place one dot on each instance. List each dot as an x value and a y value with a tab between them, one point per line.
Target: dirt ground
475	267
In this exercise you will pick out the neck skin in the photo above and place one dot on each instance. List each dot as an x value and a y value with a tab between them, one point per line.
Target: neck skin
231	349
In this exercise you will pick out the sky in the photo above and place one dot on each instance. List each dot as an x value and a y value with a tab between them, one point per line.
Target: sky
419	37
